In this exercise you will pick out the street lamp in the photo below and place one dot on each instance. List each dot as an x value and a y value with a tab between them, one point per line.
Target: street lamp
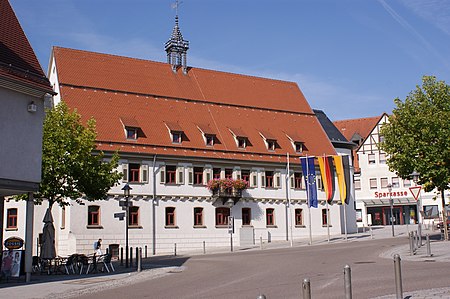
391	203
126	193
230	204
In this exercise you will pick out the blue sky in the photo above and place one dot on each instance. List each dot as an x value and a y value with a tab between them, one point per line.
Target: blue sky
350	58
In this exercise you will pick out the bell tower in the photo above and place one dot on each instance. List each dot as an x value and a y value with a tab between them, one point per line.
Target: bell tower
176	47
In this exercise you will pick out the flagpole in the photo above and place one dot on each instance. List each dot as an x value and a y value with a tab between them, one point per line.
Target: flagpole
288	188
308	200
345	220
326	198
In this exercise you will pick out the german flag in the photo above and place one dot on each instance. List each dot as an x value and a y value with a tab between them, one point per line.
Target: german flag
327	173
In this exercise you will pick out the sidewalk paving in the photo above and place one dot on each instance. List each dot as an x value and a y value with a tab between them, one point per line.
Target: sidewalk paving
70	286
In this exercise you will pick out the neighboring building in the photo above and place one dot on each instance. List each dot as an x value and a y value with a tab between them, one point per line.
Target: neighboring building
23	89
372	180
176	128
345	148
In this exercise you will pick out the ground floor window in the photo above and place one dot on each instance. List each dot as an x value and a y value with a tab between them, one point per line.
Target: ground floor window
270	217
324	216
11	218
222	216
198	216
298	217
246	216
134	216
170	216
93	215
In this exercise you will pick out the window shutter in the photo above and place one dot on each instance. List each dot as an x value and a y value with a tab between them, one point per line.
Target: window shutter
125	172
277	180
253	179
180	175
237	174
205	179
190	176
292	177
144	173
162	171
263	179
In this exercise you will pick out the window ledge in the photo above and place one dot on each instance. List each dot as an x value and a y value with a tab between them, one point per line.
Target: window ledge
324	225
222	226
171	226
135	226
271	226
300	226
199	226
247	225
94	227
11	229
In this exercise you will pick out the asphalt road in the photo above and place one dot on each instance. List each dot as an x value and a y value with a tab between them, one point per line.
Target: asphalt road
279	273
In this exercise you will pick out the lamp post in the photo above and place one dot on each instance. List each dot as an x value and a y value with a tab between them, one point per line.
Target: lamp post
391	203
126	193
230	204
415	178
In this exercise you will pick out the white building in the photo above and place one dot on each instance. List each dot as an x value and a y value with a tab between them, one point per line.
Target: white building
372	181
176	128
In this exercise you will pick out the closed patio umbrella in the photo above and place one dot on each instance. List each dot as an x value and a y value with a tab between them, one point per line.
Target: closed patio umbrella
48	250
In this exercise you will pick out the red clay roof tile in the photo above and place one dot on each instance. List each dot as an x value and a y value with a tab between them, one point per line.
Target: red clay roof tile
17	59
156	97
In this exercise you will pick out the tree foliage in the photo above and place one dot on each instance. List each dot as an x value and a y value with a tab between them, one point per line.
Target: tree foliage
417	136
70	166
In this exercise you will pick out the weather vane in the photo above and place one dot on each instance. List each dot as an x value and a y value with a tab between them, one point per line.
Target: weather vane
176	5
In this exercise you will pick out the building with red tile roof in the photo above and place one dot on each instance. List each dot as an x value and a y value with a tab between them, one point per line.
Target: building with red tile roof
23	90
176	128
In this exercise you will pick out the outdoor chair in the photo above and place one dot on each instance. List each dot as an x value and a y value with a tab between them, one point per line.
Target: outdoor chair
106	260
36	264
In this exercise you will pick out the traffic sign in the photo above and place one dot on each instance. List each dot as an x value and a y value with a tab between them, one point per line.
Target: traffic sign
415	191
231	224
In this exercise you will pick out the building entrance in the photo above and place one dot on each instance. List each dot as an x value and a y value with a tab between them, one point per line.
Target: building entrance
401	215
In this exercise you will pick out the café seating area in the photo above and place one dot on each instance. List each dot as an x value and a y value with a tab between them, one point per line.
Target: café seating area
74	264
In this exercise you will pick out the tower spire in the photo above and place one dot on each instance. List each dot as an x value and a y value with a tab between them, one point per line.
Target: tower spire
176	47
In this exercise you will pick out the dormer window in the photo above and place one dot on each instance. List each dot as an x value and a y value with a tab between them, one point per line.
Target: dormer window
209	135
296	142
175	131
209	140
132	129
176	137
271	145
241	142
240	137
298	146
132	133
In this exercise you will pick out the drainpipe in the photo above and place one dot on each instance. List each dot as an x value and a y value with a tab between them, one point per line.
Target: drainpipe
29	237
154	208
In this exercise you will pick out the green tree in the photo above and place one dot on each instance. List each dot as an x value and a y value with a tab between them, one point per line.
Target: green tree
71	166
417	136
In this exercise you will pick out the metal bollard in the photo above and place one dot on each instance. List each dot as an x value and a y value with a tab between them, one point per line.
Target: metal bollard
131	256
175	249
260	243
428	246
348	282
419	230
371	232
261	296
411	246
145	251
121	256
306	286
139	260
137	254
204	247
417	239
398	277
107	250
